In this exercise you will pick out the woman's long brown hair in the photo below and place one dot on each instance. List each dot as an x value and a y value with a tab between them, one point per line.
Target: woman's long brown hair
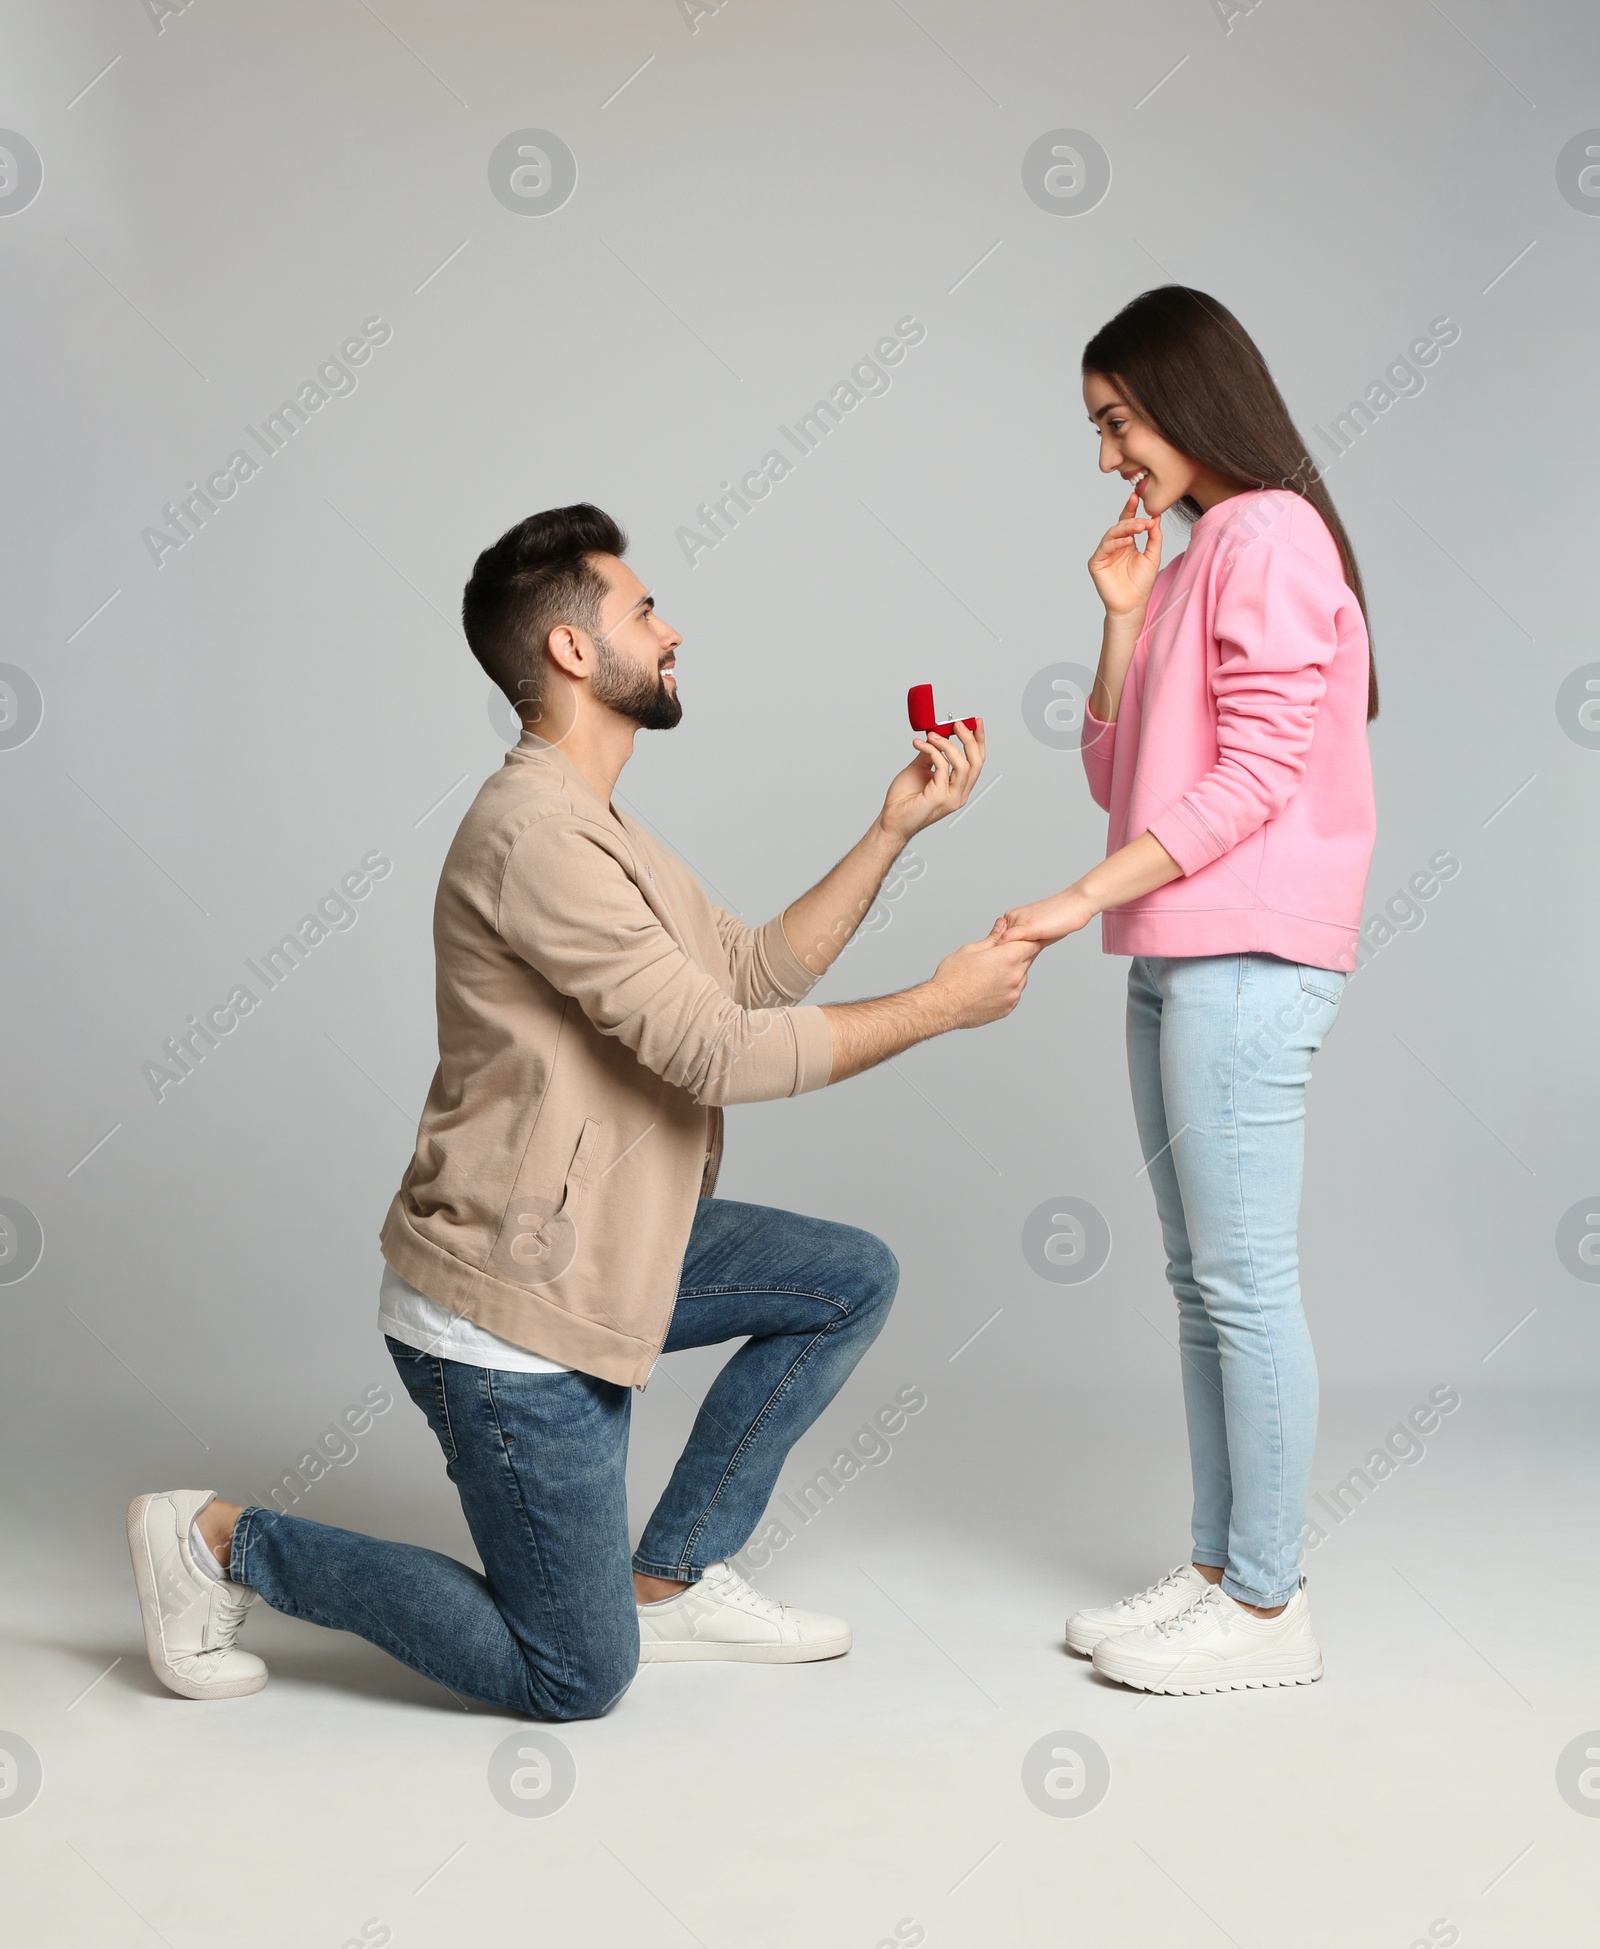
1195	374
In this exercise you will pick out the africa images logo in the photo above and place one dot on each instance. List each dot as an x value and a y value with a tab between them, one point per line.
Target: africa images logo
185	514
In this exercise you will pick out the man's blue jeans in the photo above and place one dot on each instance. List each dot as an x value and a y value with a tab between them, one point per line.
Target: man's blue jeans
549	1628
1219	1055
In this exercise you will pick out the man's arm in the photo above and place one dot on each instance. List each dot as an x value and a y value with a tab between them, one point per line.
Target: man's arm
567	901
820	923
979	983
568	904
936	782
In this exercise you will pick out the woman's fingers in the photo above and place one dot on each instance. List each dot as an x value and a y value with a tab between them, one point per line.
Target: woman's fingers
1131	525
1118	541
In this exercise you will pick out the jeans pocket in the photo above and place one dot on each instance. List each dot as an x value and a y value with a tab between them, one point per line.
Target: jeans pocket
423	1377
1327	984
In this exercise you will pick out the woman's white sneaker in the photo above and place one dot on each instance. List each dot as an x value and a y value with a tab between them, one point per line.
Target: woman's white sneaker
721	1616
1216	1645
1168	1595
191	1621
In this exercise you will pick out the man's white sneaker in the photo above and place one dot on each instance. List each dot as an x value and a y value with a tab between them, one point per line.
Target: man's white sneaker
190	1619
721	1616
1216	1645
1168	1595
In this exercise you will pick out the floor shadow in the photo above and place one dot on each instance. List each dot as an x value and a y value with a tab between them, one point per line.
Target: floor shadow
340	1663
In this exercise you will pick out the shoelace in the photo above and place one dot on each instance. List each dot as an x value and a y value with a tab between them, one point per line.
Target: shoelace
750	1598
1208	1600
233	1604
1157	1589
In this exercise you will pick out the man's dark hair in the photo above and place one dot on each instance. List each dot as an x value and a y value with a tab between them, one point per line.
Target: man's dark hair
535	576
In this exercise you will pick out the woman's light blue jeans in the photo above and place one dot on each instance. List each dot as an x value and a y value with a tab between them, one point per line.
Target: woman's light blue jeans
1219	1055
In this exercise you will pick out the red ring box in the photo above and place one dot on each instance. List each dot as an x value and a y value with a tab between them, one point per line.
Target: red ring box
924	718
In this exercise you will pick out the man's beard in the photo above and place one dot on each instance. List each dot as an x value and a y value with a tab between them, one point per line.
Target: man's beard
634	693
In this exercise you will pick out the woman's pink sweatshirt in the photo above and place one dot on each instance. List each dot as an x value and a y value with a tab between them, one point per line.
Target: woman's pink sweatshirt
1241	743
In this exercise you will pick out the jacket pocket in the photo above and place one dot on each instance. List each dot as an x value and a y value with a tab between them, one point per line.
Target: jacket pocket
540	1234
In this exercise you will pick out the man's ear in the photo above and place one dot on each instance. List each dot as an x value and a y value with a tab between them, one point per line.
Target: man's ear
568	651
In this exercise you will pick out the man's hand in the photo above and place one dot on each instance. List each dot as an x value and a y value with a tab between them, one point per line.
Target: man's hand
983	981
938	781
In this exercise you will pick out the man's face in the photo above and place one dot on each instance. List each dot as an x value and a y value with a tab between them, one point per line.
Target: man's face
635	652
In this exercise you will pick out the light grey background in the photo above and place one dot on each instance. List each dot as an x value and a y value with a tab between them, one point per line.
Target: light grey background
769	192
774	190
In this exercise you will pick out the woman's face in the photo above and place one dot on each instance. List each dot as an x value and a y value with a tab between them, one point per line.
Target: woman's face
1130	446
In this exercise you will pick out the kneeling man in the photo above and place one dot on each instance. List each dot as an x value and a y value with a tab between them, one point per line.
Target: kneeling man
556	1230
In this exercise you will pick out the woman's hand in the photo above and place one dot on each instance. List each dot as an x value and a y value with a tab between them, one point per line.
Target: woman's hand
1124	574
1127	874
1047	921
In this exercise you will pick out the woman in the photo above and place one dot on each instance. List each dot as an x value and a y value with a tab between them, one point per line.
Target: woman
1226	737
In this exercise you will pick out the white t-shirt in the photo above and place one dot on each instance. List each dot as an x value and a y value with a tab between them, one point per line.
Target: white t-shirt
417	1321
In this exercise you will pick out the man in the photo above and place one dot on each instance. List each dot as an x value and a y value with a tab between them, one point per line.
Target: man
555	1231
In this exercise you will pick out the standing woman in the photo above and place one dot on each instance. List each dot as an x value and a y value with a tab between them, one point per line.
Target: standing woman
1226	736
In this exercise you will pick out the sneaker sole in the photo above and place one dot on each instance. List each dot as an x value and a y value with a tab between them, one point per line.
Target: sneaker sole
144	1577
1174	1686
698	1652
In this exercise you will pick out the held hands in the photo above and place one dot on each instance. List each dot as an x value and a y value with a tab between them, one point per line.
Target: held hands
938	781
1044	922
1124	574
1127	874
983	981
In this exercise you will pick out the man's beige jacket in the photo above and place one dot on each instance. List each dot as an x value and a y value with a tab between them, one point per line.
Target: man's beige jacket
595	1011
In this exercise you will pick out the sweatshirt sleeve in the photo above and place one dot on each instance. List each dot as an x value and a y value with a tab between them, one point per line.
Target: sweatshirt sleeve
572	909
1096	747
1276	623
765	969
